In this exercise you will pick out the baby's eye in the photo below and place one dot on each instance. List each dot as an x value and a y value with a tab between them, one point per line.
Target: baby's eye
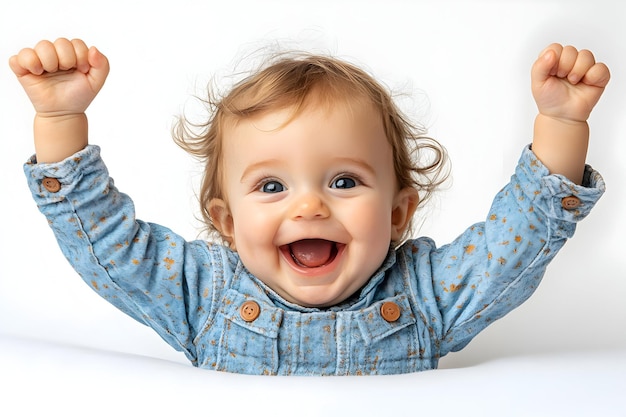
272	187
343	183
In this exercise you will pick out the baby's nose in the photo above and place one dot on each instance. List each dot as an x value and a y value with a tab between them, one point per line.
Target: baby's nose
309	206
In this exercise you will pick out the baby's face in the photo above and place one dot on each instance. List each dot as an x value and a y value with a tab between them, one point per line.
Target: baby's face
312	206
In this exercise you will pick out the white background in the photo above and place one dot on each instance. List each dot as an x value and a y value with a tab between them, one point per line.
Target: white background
464	64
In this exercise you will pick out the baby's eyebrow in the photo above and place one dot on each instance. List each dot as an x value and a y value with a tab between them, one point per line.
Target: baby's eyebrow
260	166
362	164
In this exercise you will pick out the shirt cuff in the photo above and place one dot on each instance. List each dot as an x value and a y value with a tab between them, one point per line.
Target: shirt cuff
560	198
52	182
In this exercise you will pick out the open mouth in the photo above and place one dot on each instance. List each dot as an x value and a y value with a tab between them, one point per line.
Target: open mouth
311	253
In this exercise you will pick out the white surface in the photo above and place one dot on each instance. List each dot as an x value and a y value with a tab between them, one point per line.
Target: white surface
466	65
79	381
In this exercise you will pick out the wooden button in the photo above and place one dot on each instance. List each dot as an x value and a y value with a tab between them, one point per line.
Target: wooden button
249	311
390	311
570	203
51	184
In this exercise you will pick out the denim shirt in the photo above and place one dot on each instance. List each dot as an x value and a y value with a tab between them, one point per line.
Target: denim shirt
422	303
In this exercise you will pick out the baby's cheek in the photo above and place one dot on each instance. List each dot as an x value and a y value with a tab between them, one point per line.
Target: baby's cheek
375	220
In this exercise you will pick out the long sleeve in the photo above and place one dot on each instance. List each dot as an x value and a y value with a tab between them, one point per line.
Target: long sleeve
497	264
143	269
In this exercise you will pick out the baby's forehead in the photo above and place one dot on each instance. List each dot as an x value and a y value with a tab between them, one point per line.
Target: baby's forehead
331	135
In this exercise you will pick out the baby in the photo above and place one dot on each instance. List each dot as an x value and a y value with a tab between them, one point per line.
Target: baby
312	179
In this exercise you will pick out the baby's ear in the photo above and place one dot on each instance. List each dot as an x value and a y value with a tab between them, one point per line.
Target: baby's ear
404	206
223	220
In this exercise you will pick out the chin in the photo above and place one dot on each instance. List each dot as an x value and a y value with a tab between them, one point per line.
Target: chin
318	298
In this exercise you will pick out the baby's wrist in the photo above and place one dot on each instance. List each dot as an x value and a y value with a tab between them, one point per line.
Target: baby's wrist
59	116
59	136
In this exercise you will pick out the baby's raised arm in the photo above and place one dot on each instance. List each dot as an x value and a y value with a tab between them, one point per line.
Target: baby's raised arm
566	84
61	79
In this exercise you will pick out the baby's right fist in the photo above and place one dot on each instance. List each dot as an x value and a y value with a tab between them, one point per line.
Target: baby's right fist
60	77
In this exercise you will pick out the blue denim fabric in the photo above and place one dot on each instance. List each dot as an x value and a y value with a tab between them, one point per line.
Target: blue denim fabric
190	293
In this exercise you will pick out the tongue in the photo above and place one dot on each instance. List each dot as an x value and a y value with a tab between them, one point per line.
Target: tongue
312	252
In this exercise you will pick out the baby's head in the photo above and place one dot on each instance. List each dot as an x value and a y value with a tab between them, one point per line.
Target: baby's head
312	173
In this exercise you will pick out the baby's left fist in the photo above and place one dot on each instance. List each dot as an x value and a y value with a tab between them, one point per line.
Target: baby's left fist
567	83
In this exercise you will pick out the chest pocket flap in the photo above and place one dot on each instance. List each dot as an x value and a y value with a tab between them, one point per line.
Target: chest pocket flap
252	314
385	318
